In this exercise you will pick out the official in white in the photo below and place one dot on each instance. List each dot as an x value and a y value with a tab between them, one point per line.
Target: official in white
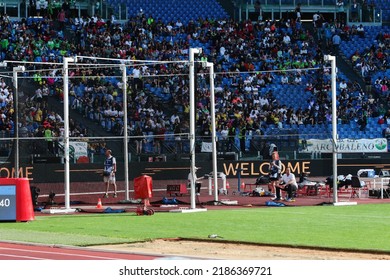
288	184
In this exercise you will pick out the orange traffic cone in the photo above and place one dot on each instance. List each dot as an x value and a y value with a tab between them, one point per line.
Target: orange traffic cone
99	204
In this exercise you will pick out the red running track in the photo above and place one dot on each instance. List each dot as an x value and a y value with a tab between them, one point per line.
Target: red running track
13	251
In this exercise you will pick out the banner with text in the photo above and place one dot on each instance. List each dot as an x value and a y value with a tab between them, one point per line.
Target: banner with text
376	145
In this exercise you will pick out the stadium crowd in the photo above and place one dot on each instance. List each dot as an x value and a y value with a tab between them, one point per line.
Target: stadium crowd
246	56
373	60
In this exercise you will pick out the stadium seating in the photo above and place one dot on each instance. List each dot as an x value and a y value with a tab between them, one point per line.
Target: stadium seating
293	96
360	44
171	11
384	6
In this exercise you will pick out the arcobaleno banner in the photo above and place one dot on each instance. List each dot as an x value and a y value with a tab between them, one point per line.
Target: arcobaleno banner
376	145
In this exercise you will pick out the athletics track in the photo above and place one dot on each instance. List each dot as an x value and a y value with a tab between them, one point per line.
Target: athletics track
18	251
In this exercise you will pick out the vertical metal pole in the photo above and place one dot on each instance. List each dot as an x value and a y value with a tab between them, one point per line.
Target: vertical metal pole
16	124
192	122
332	59
66	130
209	179
239	180
125	132
15	71
213	133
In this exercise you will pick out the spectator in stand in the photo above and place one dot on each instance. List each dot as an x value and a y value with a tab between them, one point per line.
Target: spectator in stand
345	32
160	137
286	39
360	31
61	18
137	82
177	131
140	138
340	11
316	17
363	121
355	11
384	88
343	85
386	133
284	79
175	118
387	117
298	14
336	40
298	79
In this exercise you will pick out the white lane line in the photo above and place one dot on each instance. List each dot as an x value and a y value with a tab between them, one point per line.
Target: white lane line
60	254
21	257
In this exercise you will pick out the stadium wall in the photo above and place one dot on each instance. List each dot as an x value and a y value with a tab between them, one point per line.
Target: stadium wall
54	173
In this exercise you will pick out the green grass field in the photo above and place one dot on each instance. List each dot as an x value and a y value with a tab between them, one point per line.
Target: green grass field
363	227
